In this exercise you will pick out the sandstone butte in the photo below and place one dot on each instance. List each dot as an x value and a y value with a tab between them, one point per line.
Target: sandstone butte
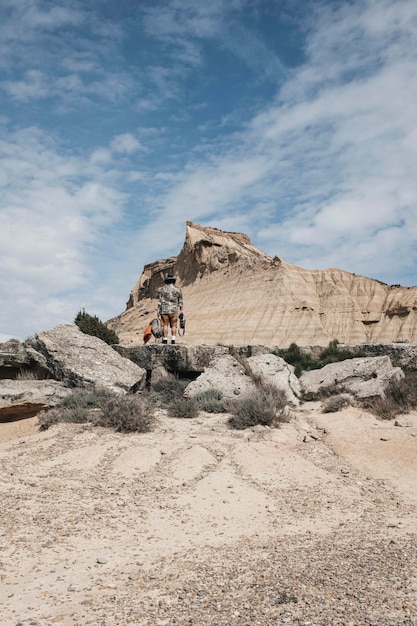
236	294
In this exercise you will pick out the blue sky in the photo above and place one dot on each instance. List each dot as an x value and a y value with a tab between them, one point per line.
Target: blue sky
293	121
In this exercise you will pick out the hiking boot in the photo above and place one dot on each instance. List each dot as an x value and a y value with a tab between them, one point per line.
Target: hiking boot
164	340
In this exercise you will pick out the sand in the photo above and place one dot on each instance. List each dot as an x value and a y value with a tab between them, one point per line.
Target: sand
193	523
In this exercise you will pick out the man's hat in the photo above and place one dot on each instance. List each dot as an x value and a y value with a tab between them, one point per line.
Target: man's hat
169	278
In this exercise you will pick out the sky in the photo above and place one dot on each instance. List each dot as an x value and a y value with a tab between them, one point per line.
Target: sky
292	121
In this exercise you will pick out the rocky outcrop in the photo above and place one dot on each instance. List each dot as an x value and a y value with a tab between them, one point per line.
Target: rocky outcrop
402	355
175	359
25	398
80	360
272	370
234	376
225	374
366	377
16	360
235	294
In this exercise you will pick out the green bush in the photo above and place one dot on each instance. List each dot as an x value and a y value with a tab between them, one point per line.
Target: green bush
304	361
123	413
92	325
264	406
300	360
334	354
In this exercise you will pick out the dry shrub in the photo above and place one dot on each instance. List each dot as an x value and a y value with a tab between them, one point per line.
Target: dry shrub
128	413
333	404
26	374
385	408
323	393
211	401
123	413
264	406
183	407
167	389
400	397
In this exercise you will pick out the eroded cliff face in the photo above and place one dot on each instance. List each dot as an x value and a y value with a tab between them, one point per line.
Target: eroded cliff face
236	294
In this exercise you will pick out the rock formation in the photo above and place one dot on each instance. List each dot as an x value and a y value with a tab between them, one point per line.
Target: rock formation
235	294
362	377
80	360
20	399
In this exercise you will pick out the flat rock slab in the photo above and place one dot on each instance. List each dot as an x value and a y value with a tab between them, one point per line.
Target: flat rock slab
20	399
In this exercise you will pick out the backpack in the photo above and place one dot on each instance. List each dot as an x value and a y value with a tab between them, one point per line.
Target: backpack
156	327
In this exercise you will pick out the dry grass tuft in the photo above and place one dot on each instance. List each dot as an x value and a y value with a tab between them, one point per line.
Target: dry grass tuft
123	413
264	406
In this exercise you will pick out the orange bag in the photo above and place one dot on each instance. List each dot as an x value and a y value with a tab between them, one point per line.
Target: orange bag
148	333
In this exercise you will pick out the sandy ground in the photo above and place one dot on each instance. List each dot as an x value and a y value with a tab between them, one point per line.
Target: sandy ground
311	523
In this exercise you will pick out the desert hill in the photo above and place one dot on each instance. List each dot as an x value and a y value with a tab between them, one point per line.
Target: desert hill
237	294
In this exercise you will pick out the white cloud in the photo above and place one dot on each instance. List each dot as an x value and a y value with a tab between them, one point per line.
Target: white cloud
101	155
324	176
33	86
58	52
54	214
332	161
125	144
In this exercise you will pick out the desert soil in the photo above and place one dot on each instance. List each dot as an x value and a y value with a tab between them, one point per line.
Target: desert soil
309	524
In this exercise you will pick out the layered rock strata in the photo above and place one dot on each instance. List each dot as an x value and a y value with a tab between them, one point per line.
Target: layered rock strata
236	294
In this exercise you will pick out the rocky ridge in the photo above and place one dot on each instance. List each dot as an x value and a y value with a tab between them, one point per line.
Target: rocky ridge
236	294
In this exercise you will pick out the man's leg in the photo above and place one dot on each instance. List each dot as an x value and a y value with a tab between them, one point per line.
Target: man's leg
165	323
173	320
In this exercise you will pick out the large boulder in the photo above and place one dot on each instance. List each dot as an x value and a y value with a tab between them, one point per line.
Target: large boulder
224	373
25	398
363	377
273	370
80	360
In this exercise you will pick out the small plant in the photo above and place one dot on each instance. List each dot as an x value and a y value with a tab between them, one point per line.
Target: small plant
167	389
92	325
301	361
304	361
126	414
26	374
400	397
210	401
334	354
335	403
264	406
383	407
123	413
184	408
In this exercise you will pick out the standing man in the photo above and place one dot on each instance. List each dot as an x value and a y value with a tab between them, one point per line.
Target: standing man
169	305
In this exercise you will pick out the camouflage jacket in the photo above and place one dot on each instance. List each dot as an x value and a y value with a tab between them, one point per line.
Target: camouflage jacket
170	299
